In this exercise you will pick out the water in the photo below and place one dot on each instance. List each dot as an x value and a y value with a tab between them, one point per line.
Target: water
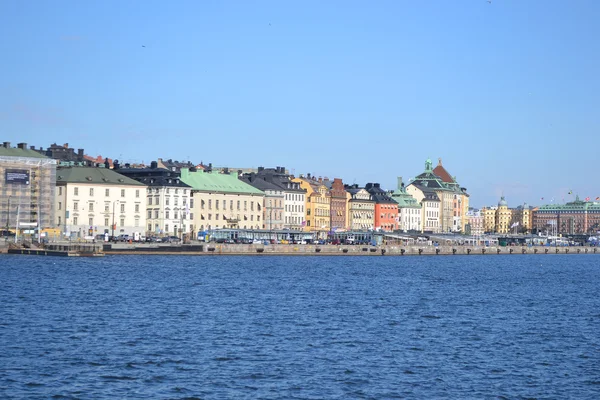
300	327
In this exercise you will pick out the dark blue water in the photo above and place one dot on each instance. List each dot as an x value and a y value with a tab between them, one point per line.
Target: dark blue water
300	327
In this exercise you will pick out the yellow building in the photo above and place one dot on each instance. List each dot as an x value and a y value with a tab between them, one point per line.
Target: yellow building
489	219
503	217
318	206
522	219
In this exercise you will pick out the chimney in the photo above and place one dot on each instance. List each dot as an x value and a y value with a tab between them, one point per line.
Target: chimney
308	175
376	185
66	145
32	148
80	153
226	170
106	163
400	184
153	165
6	145
369	186
239	172
22	146
261	169
320	180
116	164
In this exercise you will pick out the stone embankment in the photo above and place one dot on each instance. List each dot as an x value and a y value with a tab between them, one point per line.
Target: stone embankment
331	250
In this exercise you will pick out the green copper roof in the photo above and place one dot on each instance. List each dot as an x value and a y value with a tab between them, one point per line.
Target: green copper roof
93	175
216	182
16	152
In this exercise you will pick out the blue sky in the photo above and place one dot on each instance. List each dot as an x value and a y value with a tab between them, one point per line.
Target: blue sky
507	93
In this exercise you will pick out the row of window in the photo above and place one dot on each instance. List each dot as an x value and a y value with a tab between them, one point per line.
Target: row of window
91	192
176	214
91	207
224	217
91	221
167	201
294	197
167	190
294	208
224	204
157	228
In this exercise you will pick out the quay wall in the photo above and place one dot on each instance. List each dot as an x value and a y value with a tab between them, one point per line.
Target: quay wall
329	250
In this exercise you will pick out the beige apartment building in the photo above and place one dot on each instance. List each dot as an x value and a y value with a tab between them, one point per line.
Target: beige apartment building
91	201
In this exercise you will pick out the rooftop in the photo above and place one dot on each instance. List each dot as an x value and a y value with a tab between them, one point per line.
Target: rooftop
93	175
215	182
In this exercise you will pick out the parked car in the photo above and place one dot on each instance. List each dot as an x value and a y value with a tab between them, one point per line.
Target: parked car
5	233
171	239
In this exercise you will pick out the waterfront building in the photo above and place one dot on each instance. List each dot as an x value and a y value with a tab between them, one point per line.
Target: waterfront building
573	218
361	209
453	199
522	219
386	209
91	201
294	197
460	198
27	189
169	202
273	206
489	219
221	200
475	224
339	204
430	212
503	217
317	205
409	209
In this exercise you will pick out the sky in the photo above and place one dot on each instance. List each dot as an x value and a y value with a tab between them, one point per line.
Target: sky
506	93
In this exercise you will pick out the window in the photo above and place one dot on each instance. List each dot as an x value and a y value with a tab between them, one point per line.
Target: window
122	222
122	207
166	227
209	216
231	204
176	201
91	221
91	192
176	191
76	191
155	214
105	221
238	204
149	201
74	220
149	227
137	193
91	207
75	206
245	205
60	190
166	214
167	201
192	216
137	222
191	203
106	192
210	204
59	205
149	215
175	214
106	207
217	204
59	220
252	205
122	192
137	208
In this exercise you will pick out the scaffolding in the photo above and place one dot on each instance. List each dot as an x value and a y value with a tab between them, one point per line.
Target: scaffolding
27	201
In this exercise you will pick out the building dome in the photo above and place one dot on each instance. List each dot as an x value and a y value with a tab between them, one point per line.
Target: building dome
502	202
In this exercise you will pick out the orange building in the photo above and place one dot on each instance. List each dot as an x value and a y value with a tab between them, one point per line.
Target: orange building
386	208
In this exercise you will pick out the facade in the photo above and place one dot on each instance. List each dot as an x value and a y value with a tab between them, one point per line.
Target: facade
168	200
91	201
503	217
294	198
475	225
573	218
317	205
338	204
361	209
522	219
409	209
28	188
489	219
273	207
386	209
223	201
430	212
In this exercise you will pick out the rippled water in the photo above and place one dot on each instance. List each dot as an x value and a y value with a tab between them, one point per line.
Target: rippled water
300	327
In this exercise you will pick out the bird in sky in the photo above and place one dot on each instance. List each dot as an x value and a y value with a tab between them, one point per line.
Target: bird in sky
143	46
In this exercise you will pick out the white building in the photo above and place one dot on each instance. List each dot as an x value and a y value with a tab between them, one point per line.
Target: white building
168	200
92	201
